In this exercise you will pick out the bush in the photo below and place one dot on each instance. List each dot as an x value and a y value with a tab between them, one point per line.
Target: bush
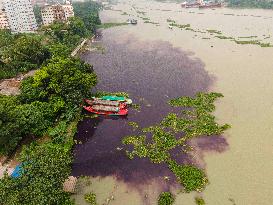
91	198
43	172
165	198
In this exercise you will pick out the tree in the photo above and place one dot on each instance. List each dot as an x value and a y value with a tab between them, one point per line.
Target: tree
20	120
77	27
26	52
43	172
67	78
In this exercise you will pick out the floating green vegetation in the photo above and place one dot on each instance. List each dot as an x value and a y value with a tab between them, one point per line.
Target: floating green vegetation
170	21
195	120
141	12
109	25
91	198
190	29
145	18
192	178
151	22
166	198
134	125
180	25
248	37
200	201
214	31
253	42
136	106
224	37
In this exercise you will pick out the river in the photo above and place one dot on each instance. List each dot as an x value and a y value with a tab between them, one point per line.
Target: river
154	64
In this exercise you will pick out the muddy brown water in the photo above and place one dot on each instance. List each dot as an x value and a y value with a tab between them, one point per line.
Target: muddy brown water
154	64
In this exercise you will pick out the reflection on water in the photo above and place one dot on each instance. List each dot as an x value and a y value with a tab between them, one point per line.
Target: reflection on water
146	61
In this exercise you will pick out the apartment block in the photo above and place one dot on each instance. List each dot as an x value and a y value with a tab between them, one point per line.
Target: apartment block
20	15
57	12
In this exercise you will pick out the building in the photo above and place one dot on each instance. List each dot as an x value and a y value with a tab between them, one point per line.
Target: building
57	12
38	2
3	20
20	15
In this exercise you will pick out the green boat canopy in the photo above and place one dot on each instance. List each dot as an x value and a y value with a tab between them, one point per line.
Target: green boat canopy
109	97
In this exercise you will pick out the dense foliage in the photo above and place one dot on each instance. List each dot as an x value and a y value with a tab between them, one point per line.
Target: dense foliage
90	198
21	52
88	12
44	170
157	142
18	120
65	81
264	4
165	198
49	105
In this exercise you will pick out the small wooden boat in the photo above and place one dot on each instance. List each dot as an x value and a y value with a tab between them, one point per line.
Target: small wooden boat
102	111
98	101
116	98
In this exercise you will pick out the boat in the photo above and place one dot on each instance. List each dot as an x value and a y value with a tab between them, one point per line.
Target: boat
99	101
116	98
132	21
102	110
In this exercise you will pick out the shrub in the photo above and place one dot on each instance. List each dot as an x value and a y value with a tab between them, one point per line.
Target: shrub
91	198
165	198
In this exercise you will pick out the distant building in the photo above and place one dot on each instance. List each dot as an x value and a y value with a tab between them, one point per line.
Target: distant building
38	2
4	24
57	12
20	15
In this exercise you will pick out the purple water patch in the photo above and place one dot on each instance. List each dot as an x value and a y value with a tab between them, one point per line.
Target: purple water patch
152	73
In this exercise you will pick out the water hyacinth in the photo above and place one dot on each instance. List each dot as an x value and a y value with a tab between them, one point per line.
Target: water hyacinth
195	121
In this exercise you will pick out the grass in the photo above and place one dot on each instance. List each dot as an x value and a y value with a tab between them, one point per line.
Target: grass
182	26
110	25
253	42
223	37
214	31
170	21
150	22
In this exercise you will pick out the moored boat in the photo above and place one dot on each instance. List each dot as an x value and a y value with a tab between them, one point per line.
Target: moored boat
101	111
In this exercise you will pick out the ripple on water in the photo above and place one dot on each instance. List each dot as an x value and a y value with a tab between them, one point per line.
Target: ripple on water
152	73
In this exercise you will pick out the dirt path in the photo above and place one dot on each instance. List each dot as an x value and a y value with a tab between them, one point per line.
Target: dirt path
11	86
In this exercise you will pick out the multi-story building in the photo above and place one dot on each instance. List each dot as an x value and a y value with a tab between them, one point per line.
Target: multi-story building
3	20
57	12
20	15
38	2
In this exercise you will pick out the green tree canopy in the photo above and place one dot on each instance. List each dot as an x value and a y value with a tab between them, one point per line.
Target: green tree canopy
44	170
67	78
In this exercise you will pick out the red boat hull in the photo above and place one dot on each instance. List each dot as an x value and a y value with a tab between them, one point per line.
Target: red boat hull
121	112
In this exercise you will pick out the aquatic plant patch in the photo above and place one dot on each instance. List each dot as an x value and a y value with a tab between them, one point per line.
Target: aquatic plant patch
156	142
91	198
166	198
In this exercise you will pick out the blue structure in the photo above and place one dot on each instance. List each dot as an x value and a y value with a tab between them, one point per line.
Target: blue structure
17	171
